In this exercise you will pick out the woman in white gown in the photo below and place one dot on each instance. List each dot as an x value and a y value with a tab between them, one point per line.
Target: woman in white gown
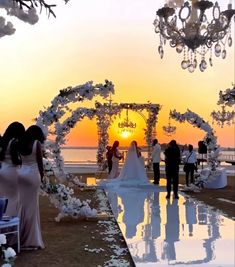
133	171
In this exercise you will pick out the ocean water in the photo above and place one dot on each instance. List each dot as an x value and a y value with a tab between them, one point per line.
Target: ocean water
76	155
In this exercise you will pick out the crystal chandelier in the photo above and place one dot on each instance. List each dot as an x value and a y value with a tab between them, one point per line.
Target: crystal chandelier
222	117
188	29
126	124
227	97
169	129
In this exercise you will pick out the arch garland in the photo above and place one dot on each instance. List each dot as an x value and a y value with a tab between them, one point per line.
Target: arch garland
210	139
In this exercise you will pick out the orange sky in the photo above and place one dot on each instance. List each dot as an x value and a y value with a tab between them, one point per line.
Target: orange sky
115	40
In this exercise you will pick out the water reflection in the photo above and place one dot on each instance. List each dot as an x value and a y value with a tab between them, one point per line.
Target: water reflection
171	230
174	232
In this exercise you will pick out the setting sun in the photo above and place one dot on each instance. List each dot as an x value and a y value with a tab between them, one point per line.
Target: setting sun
125	133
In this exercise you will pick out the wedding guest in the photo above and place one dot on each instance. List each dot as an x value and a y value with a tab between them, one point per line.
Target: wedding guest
109	155
30	178
190	161
10	161
115	160
172	161
156	158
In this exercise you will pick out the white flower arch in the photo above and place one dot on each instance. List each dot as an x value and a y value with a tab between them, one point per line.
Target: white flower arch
60	195
210	139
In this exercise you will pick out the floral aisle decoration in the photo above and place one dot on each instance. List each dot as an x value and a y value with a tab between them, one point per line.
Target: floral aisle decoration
60	195
210	139
227	97
8	255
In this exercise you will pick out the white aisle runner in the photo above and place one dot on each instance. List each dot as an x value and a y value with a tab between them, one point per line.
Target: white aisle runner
180	232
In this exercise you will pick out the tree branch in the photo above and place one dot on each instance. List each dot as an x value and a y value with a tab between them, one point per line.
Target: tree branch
28	4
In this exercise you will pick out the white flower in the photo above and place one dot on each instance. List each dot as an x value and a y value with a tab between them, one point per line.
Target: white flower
6	265
9	253
3	239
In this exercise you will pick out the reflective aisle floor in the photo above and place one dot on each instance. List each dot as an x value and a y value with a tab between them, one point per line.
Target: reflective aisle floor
180	232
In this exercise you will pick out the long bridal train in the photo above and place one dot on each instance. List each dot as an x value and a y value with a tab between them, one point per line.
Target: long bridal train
133	172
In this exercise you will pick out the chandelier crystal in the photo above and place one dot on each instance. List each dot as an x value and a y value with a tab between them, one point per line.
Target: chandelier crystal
189	30
169	129
222	117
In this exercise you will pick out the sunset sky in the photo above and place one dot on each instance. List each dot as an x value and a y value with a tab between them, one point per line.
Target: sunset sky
107	39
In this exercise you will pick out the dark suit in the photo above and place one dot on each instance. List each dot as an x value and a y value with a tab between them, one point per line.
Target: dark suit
172	161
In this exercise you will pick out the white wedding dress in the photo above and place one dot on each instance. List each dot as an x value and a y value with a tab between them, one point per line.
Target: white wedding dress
132	173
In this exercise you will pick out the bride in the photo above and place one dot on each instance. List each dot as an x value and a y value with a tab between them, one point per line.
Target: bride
133	171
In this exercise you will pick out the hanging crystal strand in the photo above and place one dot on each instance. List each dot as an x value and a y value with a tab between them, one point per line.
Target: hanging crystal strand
195	59
190	66
210	58
160	48
230	40
217	49
203	64
188	60
184	63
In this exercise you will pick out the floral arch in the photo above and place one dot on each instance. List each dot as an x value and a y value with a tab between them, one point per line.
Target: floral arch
53	115
210	139
60	196
106	111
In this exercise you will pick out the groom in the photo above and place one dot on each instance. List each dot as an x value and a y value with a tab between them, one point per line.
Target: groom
156	158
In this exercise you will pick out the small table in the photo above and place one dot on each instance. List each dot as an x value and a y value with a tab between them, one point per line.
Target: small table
13	222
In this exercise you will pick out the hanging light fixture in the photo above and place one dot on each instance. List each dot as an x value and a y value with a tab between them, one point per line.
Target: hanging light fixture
188	29
126	126
222	117
169	129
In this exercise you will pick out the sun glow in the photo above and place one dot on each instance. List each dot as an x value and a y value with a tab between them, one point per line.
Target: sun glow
125	134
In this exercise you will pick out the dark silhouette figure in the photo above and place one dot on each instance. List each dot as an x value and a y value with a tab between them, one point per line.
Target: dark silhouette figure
190	164
109	155
172	161
116	156
10	140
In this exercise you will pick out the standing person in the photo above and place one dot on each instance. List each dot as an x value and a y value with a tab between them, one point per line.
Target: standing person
156	158
30	178
10	161
172	161
116	156
190	161
109	155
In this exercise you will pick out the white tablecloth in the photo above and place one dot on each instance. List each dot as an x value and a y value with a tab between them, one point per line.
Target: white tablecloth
216	179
